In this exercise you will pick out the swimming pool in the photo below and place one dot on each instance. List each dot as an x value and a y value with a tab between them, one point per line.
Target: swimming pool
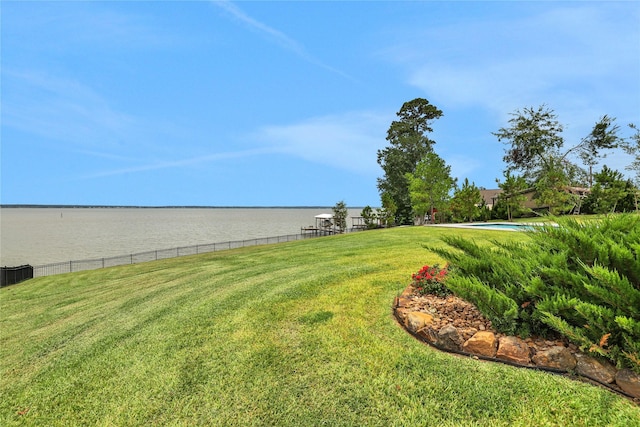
505	226
502	226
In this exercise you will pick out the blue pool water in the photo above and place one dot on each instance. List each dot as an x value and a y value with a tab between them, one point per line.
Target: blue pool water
502	226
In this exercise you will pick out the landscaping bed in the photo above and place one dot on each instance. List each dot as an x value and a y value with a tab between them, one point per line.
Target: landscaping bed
452	324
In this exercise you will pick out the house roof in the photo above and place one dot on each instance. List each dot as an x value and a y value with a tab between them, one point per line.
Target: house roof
579	190
490	196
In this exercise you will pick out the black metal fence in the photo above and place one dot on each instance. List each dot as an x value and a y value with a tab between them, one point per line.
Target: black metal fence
13	275
93	264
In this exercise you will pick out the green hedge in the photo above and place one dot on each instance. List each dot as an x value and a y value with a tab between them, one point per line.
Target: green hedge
579	278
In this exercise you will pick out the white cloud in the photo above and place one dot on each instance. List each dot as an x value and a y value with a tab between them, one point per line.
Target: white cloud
348	141
515	62
179	163
280	38
61	109
58	26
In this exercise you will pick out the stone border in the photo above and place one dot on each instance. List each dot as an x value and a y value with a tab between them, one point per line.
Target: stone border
512	350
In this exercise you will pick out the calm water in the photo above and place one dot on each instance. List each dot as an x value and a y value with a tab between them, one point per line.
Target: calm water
45	235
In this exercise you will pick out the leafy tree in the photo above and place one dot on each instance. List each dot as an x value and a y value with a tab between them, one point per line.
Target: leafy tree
512	195
340	216
536	148
370	217
551	189
629	203
632	147
536	143
499	209
534	139
603	136
466	201
609	190
430	186
408	144
388	211
484	211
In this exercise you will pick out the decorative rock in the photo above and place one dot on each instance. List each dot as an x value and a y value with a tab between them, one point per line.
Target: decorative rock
432	318
417	320
449	338
483	343
628	381
401	314
558	357
466	333
593	368
429	334
402	302
513	349
407	292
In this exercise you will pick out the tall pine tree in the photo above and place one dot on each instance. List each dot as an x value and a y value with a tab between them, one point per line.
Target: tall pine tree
408	144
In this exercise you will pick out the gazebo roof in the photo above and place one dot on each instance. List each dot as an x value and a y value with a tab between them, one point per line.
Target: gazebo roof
324	216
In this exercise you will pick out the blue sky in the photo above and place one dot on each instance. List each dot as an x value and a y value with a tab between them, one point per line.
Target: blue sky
286	103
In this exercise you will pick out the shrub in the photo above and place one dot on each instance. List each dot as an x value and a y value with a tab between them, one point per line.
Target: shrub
430	280
579	279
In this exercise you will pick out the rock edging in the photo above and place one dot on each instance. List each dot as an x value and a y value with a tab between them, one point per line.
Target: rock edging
454	325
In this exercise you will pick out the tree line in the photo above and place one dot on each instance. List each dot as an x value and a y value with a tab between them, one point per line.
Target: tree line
417	184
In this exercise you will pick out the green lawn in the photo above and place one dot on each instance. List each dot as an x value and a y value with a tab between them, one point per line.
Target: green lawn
294	334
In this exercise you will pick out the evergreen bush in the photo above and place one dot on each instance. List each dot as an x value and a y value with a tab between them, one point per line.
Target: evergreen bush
580	279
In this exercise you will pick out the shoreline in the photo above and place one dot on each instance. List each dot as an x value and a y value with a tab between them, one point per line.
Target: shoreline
39	236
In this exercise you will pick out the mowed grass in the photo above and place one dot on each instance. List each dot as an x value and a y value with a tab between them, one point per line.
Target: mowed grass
294	334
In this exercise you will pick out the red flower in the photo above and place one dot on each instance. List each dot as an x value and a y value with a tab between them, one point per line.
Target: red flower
429	279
